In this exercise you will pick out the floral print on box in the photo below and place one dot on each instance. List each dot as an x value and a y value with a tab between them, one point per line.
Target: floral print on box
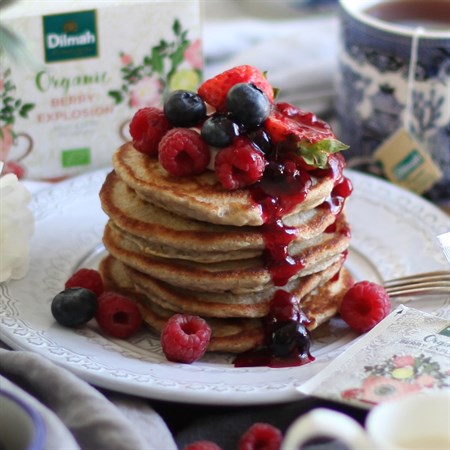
397	376
168	65
406	352
11	107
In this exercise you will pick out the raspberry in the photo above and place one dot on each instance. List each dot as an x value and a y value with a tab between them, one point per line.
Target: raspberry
287	120
364	305
88	279
202	445
147	128
261	436
118	315
182	152
214	91
185	338
239	165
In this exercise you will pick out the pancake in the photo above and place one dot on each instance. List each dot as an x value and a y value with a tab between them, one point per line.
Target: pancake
227	304
201	197
162	233
213	215
246	275
233	335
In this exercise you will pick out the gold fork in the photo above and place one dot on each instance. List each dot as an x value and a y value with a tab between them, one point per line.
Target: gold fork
419	284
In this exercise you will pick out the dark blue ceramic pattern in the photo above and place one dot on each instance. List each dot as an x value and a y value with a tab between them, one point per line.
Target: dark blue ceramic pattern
389	54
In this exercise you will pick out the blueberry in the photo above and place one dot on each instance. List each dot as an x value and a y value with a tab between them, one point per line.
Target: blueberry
261	140
219	131
184	108
248	105
74	307
274	170
290	338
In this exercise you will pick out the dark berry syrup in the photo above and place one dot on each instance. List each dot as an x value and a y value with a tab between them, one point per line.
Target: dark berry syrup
285	185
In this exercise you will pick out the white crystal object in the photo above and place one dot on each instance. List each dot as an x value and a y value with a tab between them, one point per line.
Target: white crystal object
16	228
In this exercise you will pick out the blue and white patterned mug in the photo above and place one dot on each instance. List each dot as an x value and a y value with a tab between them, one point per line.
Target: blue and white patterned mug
378	91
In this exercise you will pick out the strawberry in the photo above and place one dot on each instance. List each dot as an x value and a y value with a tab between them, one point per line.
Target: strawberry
214	91
289	122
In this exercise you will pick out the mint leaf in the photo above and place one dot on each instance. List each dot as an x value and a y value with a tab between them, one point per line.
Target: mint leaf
316	154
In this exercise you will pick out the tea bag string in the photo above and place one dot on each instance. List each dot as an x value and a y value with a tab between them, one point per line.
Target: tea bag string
418	31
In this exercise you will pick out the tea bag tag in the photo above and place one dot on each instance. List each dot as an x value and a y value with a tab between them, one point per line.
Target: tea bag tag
404	160
406	163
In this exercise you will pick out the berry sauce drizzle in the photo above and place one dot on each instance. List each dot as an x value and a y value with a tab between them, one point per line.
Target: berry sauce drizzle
287	341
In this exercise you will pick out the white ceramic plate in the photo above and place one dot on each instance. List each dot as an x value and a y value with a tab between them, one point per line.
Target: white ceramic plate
394	233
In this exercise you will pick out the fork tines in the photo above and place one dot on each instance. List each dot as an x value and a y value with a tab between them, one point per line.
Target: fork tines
425	283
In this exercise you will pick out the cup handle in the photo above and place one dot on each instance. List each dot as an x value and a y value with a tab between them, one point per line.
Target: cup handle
325	423
29	140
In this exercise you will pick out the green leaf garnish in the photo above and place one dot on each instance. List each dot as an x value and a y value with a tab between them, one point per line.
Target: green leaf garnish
316	154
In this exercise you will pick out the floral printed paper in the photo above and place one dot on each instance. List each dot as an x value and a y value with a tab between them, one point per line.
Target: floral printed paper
407	352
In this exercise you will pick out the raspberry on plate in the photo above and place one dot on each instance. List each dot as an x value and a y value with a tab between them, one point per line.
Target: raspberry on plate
261	436
364	305
185	338
147	127
118	315
182	152
239	165
88	279
202	445
214	91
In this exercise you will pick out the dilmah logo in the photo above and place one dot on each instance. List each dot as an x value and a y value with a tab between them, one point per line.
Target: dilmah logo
70	36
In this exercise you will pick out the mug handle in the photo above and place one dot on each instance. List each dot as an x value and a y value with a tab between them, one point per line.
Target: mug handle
326	423
30	145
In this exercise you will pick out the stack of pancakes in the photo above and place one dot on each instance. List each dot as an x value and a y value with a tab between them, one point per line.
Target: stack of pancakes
187	245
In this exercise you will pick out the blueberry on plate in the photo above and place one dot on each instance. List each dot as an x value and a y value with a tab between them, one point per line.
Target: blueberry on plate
219	131
289	338
248	105
74	307
184	108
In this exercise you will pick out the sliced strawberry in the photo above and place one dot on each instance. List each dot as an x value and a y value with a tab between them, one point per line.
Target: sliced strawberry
214	91
289	122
